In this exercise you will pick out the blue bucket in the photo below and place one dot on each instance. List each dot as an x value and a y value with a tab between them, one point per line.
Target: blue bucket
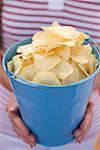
51	112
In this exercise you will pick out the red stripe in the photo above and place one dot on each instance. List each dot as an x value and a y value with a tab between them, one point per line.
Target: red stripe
9	19
18	34
87	28
81	8
29	21
23	7
73	19
20	28
85	1
76	13
32	2
96	37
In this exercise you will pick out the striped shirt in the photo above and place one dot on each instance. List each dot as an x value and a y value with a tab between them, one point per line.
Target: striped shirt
23	18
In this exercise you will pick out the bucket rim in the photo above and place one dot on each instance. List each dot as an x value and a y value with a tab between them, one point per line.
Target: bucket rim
30	83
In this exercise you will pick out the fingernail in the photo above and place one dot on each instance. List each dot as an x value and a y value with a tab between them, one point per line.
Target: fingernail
77	134
33	140
32	145
80	139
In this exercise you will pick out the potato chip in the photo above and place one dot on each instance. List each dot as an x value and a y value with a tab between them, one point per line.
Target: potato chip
17	62
38	36
45	63
76	76
84	68
55	24
44	41
52	52
28	72
63	69
27	62
82	37
76	36
81	53
28	48
47	78
22	73
64	52
27	56
39	48
70	43
51	47
69	80
10	66
65	32
91	65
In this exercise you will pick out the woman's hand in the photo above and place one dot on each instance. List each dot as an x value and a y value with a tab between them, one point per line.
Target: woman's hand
85	125
18	125
23	132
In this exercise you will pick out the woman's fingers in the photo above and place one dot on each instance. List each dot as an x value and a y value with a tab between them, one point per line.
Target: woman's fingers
20	128
81	132
28	141
16	120
17	123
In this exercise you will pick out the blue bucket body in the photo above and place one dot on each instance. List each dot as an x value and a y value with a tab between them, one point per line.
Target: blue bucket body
52	113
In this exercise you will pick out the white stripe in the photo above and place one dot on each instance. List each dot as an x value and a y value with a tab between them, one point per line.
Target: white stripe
83	5
44	12
7	35
27	5
21	31
81	11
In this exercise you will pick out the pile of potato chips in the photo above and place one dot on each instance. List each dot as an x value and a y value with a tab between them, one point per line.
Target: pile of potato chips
56	56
